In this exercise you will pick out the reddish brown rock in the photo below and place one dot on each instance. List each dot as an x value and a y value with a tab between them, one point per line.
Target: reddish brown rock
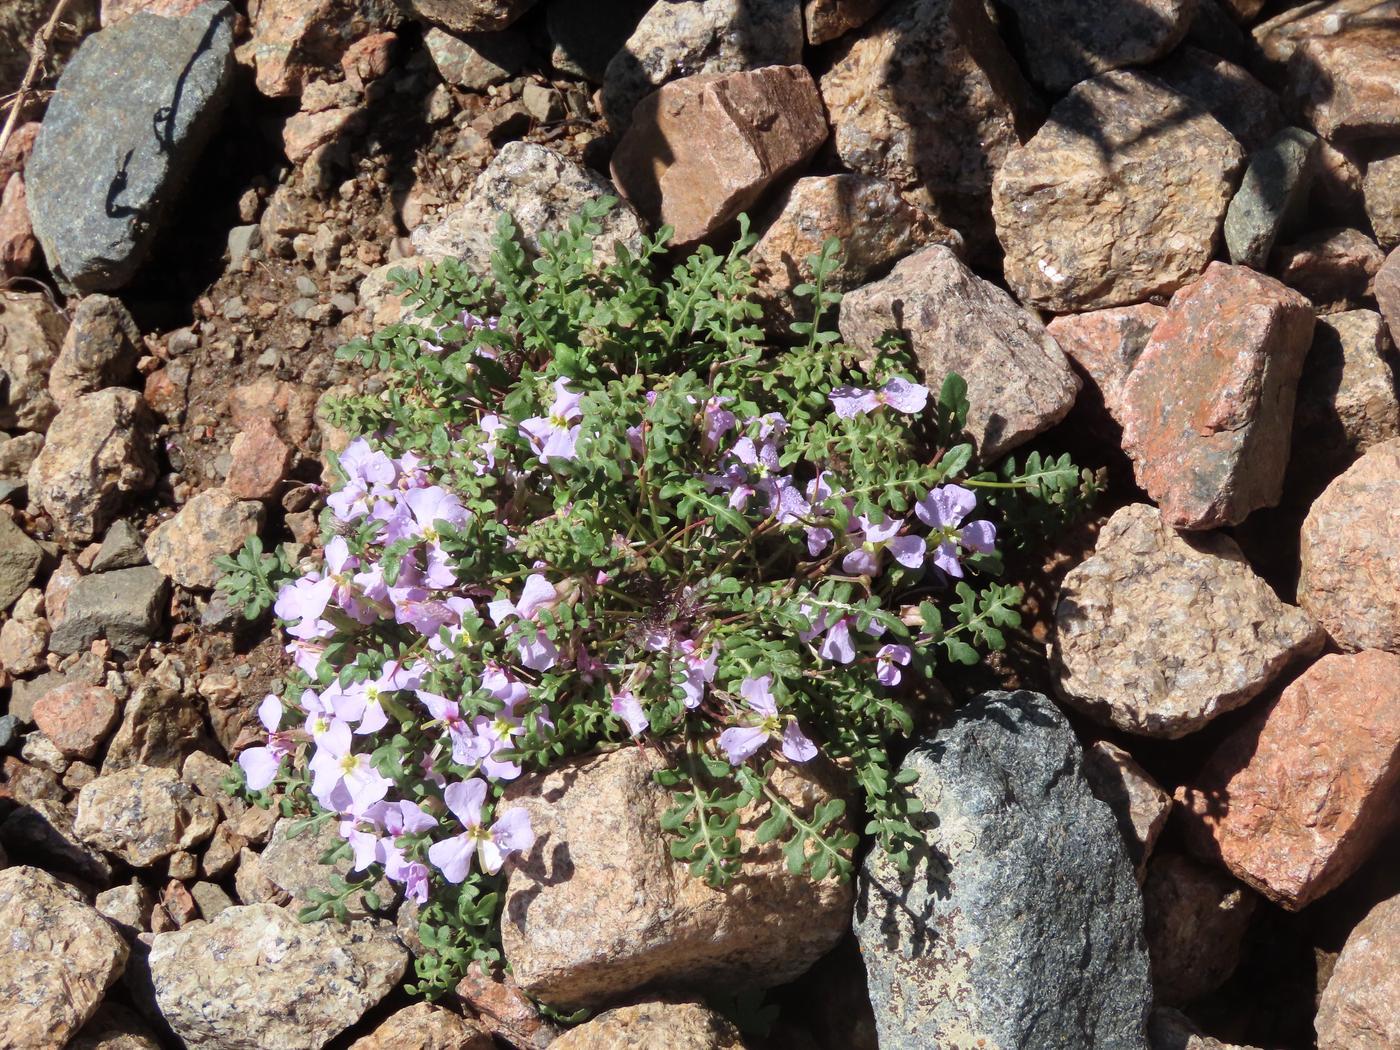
293	40
825	20
1106	344
1247	109
470	16
114	11
77	718
654	1025
423	1026
1293	802
1208	410
1387	286
19	248
1195	918
18	149
368	59
305	133
259	461
1360	1008
504	1010
1350	577
1139	804
1381	191
1348	81
702	149
1335	268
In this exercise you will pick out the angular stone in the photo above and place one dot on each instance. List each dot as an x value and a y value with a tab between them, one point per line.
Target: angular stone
60	959
19	248
31	332
1195	918
688	37
1360	1007
541	190
826	20
1139	805
653	1025
126	606
1170	1029
98	451
1387	285
24	638
77	718
122	548
1381	190
928	97
292	862
130	117
214	523
1347	74
1245	107
256	977
20	558
976	944
100	350
1279	37
129	906
1106	344
260	459
161	724
423	1026
1294	801
1018	381
1118	197
1066	41
1350	577
627	914
1158	633
1208	409
1275	187
477	63
704	148
470	16
501	1007
876	228
1335	268
295	40
42	831
143	815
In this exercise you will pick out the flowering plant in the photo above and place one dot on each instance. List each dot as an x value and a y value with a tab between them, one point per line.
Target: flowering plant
588	509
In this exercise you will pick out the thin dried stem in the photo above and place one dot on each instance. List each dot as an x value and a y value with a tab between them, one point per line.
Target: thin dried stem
38	53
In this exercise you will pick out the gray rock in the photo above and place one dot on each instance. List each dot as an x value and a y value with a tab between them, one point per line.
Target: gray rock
125	606
143	815
10	727
122	548
1275	186
475	63
255	978
128	907
20	558
241	242
587	36
292	862
131	114
31	332
100	350
1022	924
43	832
211	899
686	37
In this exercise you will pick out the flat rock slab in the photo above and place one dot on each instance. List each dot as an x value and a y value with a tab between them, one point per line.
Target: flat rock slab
1022	926
1294	801
131	114
1118	197
256	978
1157	633
1018	381
1360	1007
1208	410
1350	578
1066	41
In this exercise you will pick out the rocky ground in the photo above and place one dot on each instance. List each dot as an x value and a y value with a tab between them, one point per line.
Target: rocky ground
1161	234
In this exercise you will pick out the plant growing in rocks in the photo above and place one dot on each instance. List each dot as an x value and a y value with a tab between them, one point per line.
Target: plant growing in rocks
589	508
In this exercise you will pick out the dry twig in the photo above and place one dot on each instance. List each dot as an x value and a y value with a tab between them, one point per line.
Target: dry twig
38	53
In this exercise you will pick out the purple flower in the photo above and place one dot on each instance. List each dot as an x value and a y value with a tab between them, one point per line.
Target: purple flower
260	764
511	833
888	662
742	742
343	781
491	736
837	644
449	713
304	601
491	425
943	510
367	472
628	708
555	436
412	874
699	672
865	559
715	422
851	401
899	394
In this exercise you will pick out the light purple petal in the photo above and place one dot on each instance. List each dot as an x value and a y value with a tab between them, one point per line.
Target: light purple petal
512	831
629	709
465	799
861	562
452	857
946	558
909	551
740	743
270	713
758	694
818	540
945	506
837	643
904	396
797	746
851	401
259	766
979	536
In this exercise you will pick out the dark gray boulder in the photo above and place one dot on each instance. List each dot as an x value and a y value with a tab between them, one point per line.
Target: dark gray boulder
1021	925
132	112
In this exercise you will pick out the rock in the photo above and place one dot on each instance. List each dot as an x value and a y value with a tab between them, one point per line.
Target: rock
1106	344
305	133
295	40
976	944
623	913
260	459
704	148
42	831
1246	108
113	1028
1170	1029
20	558
1118	197
475	64
1158	633
122	548
1214	29
1310	781
1360	1007
255	977
1139	805
31	331
1387	285
130	117
423	1026
1335	268
653	1025
211	900
826	20
19	248
544	104
60	958
1347	399
502	1008
1208	409
541	190
1381	190
214	523
77	718
100	349
292	862
470	16
1350	577
1065	41
98	451
1018	381
143	815
250	885
584	42
126	606
24	638
875	226
129	907
1195	919
1343	74
1275	187
928	97
161	724
690	37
